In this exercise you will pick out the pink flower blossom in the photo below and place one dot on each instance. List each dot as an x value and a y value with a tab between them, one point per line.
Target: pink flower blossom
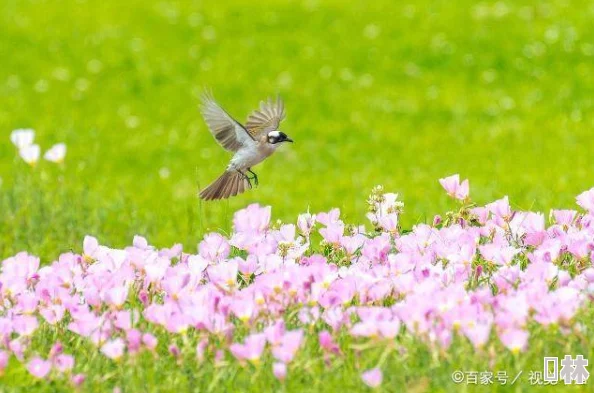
493	279
454	188
78	379
254	219
214	247
38	367
586	200
114	349
64	363
327	342
279	370
515	340
251	349
4	358
372	378
149	341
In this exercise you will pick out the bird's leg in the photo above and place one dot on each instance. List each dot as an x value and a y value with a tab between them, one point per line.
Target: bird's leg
246	177
255	178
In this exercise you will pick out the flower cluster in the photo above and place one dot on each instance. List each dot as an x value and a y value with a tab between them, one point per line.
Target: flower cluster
23	139
256	294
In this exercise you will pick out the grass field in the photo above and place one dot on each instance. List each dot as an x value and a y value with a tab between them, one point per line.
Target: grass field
377	92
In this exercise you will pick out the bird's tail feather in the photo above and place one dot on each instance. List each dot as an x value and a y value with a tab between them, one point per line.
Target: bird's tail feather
229	184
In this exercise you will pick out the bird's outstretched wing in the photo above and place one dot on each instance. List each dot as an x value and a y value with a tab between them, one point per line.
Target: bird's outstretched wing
266	119
227	131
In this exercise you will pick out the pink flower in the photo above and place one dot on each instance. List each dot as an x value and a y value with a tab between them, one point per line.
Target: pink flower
53	313
372	378
224	274
134	339
78	379
501	209
328	218
214	247
64	363
201	349
55	350
243	308
289	345
275	332
454	188
116	296
248	266
279	370
174	350
586	200
389	222
114	349
327	342
251	349
514	339
478	333
90	247
149	341
333	232
25	325
253	219
38	367
4	357
18	347
305	223
197	264
564	217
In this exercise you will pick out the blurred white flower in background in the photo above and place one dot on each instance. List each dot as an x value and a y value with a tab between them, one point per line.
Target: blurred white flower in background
22	137
30	154
56	153
164	173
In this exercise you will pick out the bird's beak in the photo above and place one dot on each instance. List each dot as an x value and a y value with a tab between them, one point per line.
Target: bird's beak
289	140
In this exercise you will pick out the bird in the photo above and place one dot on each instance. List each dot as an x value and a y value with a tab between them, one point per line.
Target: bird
251	144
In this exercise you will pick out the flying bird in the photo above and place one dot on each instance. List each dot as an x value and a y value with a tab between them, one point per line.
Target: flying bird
251	144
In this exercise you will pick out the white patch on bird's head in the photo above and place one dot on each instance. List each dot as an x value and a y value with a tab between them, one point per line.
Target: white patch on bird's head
276	136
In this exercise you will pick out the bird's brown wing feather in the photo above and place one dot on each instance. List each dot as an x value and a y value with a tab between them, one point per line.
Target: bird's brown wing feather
227	131
267	118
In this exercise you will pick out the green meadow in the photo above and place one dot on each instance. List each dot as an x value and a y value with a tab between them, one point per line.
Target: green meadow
376	92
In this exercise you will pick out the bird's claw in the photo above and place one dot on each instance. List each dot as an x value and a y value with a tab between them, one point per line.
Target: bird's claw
249	179
254	177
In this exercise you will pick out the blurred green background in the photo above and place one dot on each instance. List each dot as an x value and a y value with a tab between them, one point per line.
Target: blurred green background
377	92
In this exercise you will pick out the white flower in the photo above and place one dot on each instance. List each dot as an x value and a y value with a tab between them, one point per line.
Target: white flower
164	173
30	154
22	137
56	153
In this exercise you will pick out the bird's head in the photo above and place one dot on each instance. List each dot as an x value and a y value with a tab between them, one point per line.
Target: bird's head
275	137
